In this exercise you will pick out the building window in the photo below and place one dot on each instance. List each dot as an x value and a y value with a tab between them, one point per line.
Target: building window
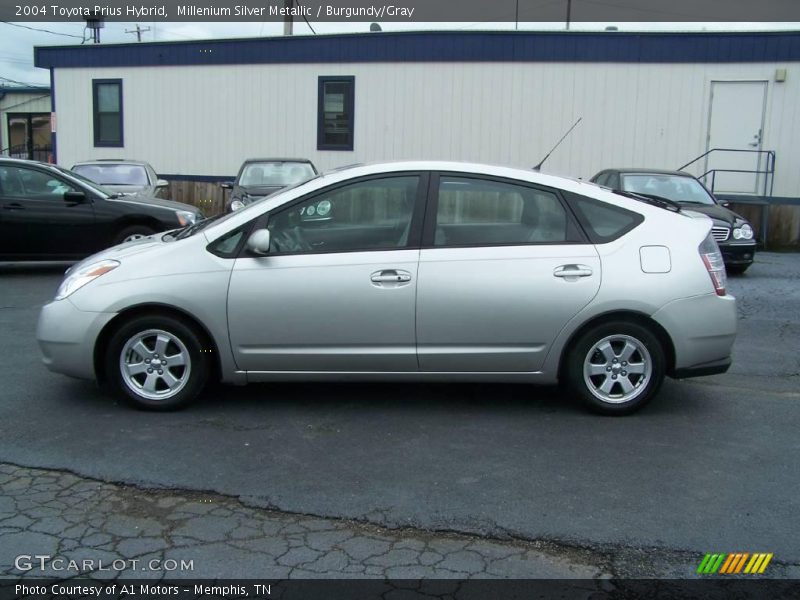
107	102
335	113
29	136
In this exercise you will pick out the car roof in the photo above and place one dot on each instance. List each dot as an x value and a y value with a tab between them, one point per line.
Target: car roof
301	160
25	161
645	171
106	161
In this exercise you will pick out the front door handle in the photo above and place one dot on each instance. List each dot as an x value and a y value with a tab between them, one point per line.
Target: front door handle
572	272
13	206
390	277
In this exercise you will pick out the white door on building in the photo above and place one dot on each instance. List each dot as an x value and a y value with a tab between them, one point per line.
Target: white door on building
736	123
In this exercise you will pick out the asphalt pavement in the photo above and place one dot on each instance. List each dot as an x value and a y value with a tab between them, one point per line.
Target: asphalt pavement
709	465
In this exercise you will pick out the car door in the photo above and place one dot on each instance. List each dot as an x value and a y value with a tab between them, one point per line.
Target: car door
503	268
37	221
337	290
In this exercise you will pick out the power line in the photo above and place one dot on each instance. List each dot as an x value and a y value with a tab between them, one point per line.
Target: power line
309	25
25	101
42	30
22	83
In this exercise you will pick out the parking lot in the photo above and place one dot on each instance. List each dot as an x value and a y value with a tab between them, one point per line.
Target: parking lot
709	465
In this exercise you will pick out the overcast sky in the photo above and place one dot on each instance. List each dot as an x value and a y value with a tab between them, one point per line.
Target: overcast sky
16	43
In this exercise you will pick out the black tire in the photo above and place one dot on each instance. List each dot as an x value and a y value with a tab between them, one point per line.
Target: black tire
133	230
648	350
149	389
736	269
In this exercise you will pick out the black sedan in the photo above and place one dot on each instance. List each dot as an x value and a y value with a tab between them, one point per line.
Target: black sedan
259	177
50	213
733	233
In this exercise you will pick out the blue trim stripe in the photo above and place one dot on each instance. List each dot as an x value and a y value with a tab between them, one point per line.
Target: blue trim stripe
450	46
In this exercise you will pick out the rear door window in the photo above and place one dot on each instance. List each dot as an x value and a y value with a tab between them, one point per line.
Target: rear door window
485	212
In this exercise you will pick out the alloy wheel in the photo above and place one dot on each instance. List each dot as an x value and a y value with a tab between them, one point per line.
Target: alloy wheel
155	364
617	369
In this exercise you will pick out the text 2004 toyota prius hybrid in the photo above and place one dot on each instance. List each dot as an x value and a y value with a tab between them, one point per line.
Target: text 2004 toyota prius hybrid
412	271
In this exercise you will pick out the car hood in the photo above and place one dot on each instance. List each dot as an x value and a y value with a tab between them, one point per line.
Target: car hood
127	189
260	190
715	211
151	201
124	250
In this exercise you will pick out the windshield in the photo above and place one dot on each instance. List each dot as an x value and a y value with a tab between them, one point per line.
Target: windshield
114	174
677	188
275	173
87	182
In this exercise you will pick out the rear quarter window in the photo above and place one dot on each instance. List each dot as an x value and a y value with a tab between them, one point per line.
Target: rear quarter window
601	221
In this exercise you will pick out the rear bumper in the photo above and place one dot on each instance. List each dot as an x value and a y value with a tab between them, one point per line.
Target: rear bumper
738	254
67	338
702	330
712	368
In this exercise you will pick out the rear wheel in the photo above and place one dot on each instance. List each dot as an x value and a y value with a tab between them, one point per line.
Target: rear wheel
616	367
157	362
134	232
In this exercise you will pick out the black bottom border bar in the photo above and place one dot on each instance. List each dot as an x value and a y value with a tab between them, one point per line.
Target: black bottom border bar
402	589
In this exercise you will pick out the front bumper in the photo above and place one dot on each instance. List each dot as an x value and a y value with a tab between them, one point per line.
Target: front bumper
702	330
67	338
738	253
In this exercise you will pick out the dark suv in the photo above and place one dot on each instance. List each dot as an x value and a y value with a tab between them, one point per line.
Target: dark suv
259	177
50	213
733	233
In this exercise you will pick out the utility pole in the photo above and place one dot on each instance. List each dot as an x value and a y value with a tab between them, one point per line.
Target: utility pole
138	31
287	17
569	12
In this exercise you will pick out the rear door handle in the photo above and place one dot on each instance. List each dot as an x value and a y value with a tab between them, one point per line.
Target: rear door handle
13	206
572	271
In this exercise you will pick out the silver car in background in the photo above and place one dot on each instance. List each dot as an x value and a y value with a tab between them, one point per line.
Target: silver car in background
406	271
129	177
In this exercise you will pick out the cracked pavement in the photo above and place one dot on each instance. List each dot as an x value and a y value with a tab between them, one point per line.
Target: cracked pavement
61	515
709	465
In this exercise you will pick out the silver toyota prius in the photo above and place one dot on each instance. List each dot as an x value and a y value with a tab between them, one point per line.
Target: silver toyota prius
406	271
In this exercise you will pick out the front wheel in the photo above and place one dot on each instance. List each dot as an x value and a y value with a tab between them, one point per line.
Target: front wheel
157	363
133	233
616	367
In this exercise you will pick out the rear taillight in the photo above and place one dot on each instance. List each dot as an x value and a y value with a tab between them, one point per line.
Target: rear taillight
712	259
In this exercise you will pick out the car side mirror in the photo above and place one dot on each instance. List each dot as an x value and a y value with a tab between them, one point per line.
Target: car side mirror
162	183
258	242
226	185
74	197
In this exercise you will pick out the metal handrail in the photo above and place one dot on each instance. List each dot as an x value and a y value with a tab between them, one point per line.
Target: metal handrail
769	172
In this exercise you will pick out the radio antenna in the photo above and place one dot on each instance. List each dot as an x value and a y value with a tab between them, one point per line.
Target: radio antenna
563	137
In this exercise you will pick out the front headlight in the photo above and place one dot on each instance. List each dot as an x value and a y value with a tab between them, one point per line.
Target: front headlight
77	279
185	217
744	232
236	205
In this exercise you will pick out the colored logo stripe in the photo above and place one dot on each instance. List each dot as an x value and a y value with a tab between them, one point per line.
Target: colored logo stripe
734	562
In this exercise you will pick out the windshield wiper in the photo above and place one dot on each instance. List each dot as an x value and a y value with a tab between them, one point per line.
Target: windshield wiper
651	199
194	228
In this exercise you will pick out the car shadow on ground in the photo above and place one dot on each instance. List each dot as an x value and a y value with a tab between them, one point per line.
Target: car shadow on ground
314	397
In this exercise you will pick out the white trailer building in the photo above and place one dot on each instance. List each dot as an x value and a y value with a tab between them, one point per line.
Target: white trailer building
196	110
